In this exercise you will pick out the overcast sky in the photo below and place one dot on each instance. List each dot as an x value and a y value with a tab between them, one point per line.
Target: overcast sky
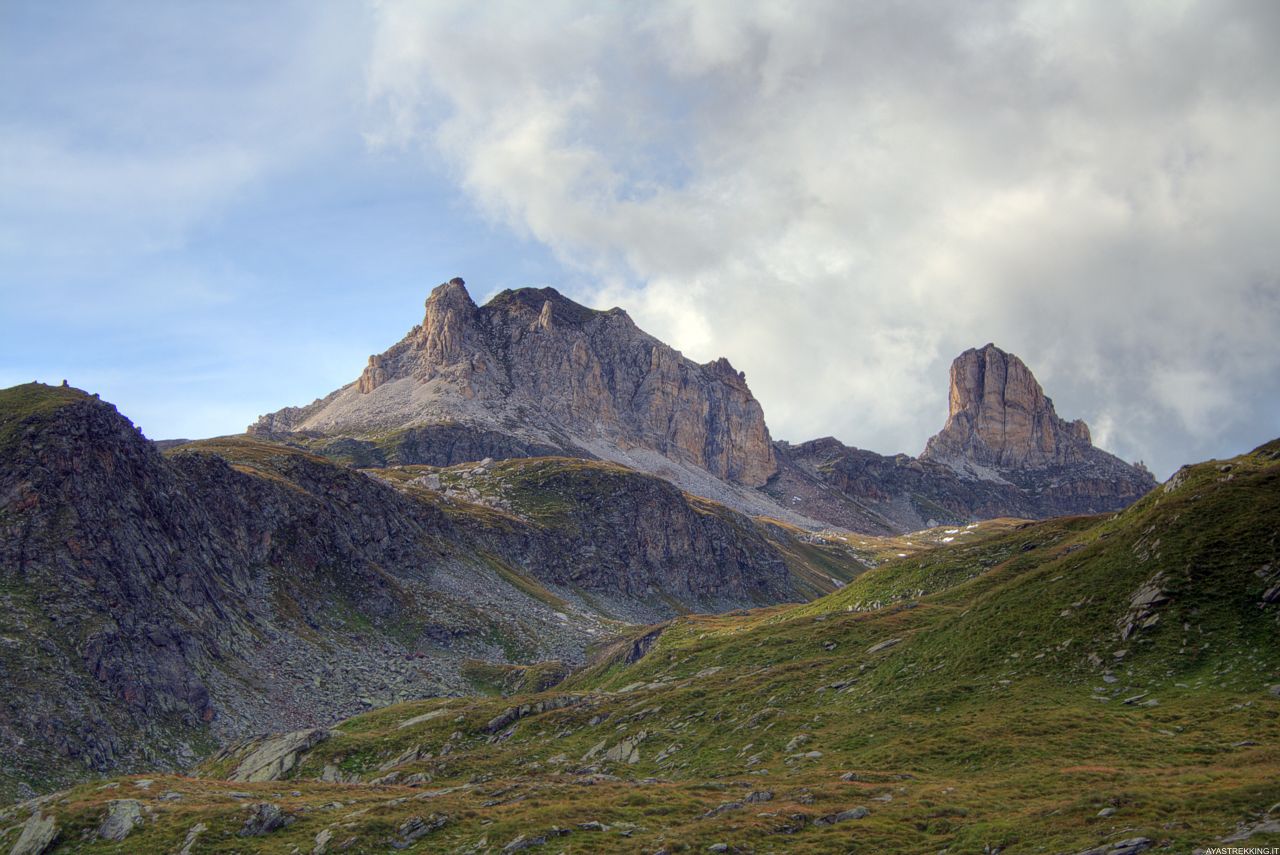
212	210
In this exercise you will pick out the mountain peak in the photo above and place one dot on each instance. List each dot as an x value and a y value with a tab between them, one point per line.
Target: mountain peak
998	416
544	371
450	295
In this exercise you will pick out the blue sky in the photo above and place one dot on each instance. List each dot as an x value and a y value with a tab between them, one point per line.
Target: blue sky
192	223
212	210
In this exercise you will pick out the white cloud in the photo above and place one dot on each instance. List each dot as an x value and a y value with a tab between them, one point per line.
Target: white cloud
842	196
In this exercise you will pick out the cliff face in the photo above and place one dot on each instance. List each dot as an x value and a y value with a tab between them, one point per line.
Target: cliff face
1003	452
999	417
1002	428
546	371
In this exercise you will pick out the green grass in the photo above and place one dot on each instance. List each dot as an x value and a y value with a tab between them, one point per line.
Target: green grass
30	405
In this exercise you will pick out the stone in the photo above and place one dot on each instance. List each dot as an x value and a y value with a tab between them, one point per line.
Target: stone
1132	846
38	834
1106	812
628	750
274	757
419	719
842	816
523	842
322	842
1270	826
722	809
193	835
122	816
796	741
415	828
264	818
884	645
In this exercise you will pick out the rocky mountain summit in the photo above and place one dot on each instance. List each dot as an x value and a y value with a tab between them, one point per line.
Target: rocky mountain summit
1003	452
1000	419
532	372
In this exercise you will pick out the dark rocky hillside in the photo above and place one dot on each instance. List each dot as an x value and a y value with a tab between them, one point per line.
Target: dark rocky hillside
152	605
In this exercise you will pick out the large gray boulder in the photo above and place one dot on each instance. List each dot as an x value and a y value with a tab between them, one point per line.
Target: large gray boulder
276	756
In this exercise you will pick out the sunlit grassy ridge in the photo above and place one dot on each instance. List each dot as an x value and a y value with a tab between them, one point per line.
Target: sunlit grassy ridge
984	695
27	406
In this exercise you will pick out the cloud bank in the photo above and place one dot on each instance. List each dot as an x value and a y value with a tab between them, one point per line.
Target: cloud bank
843	196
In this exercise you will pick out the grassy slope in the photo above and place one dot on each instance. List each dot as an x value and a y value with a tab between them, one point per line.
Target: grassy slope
29	405
998	719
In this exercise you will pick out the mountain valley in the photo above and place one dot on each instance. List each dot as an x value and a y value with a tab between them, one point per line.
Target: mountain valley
535	580
1105	684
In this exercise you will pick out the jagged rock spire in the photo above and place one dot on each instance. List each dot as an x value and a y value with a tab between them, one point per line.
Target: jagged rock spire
1000	417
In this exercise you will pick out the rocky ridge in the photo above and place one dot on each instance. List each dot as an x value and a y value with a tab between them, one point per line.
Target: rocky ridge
533	374
543	371
1003	452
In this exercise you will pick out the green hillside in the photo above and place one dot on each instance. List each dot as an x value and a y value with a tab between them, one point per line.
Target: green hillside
1046	687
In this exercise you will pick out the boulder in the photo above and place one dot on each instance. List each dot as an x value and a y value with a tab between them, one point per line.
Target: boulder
276	756
122	816
38	833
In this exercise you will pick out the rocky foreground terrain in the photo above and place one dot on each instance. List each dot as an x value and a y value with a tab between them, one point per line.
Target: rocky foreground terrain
532	373
153	605
1101	685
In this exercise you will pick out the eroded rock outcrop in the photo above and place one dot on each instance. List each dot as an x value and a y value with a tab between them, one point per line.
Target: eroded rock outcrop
1003	452
999	417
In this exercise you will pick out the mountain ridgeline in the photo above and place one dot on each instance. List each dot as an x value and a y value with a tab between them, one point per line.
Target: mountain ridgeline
532	373
545	373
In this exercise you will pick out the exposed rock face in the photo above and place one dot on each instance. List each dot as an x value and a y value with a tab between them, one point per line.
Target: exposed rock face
1003	452
546	371
122	816
38	834
999	417
276	756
